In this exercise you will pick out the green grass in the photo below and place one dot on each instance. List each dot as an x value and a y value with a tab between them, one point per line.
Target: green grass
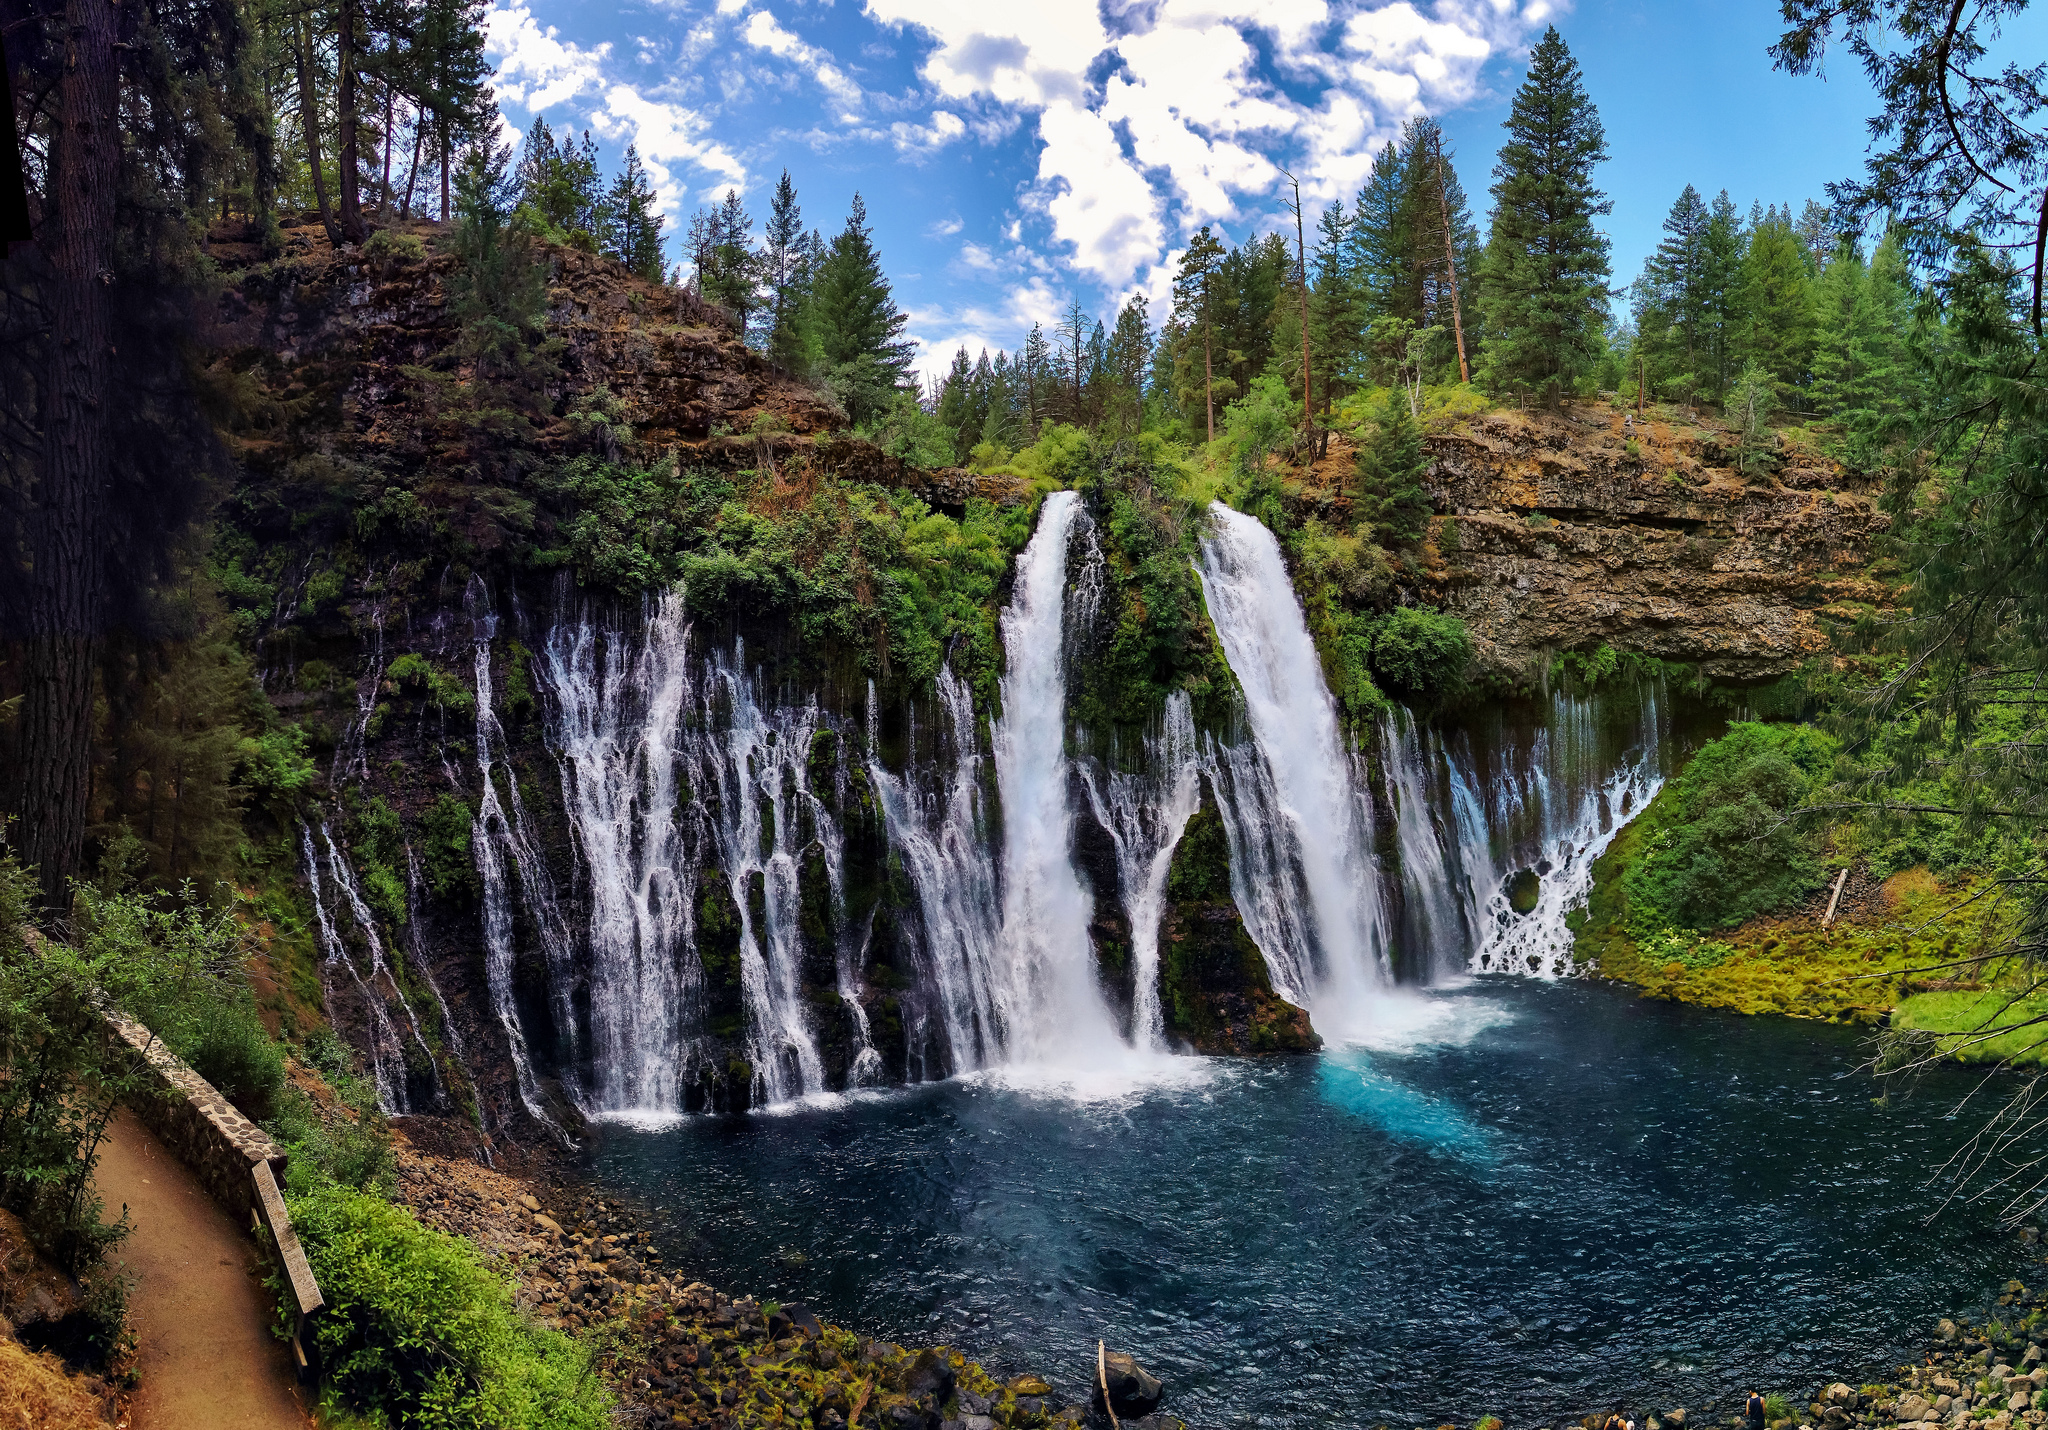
1958	1018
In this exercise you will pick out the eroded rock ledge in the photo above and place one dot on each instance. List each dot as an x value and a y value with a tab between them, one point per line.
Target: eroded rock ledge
1554	536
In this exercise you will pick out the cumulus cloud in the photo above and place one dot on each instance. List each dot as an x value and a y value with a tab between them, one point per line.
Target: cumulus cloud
538	70
763	33
919	140
1178	118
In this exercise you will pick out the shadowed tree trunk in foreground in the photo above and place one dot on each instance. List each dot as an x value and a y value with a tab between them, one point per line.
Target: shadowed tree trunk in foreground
65	595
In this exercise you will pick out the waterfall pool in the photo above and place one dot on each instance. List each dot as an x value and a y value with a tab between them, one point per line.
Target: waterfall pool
1521	1198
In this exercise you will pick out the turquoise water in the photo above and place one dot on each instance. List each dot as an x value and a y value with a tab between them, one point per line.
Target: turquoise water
1524	1199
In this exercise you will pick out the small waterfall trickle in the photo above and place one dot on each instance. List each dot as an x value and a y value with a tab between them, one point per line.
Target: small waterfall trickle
759	770
938	828
617	714
1051	1003
497	838
1501	800
1146	813
1302	812
378	988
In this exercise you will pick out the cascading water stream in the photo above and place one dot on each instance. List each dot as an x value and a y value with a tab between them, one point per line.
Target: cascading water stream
1308	804
759	767
940	831
1049	1002
495	839
1146	813
617	712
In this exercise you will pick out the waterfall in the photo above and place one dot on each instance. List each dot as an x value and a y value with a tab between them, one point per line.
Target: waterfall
416	949
1481	807
1146	813
1051	1005
617	712
1302	810
759	770
496	839
940	831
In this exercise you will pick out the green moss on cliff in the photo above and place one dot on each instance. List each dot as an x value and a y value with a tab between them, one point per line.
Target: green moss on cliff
1214	991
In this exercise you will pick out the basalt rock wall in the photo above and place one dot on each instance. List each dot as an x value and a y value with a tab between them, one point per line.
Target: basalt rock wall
1571	531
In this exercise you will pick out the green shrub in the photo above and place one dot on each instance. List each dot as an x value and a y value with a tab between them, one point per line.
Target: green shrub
390	243
1421	652
418	1331
445	829
226	1043
419	676
1722	850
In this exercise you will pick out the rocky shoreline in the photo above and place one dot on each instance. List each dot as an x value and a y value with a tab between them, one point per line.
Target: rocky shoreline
681	1353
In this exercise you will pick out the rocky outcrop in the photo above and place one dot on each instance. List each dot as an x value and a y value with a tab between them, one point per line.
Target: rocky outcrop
1214	991
1563	533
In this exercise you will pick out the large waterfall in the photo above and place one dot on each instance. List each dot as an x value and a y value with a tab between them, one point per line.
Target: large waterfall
753	907
1301	812
1050	1002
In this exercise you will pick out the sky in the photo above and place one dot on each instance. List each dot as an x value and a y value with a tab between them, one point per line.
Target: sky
1016	154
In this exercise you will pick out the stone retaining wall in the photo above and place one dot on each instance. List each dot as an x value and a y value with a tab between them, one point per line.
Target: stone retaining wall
234	1159
190	1116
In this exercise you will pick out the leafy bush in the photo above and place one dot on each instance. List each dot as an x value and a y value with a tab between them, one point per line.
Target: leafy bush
390	243
417	1330
445	828
1722	850
912	435
416	674
274	767
1421	652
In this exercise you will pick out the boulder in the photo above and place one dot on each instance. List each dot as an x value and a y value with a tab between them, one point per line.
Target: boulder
801	1318
1946	1329
526	1199
2021	1399
931	1373
1912	1407
1133	1390
1157	1422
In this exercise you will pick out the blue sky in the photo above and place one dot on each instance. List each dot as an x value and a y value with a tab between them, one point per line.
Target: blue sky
1014	153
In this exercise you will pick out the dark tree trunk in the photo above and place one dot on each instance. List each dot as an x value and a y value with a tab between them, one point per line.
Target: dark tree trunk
309	124
65	597
352	227
447	210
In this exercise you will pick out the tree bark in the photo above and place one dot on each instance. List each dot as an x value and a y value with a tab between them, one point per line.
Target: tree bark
386	200
412	170
1208	381
309	123
447	210
353	229
67	592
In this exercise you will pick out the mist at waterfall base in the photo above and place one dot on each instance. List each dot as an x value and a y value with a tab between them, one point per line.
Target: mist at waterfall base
1543	1199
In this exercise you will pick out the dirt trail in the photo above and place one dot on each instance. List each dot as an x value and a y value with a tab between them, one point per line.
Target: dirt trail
201	1317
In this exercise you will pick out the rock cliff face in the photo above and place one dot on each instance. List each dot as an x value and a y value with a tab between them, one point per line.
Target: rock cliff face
1559	537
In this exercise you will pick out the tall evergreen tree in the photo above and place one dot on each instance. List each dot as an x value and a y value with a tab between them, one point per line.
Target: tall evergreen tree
782	243
1390	467
859	327
1334	301
1675	295
1546	262
1777	303
1128	356
632	227
1194	305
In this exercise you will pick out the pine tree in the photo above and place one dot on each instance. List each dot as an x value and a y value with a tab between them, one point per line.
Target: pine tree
1129	354
1334	301
455	94
782	243
1383	240
1035	380
1777	303
1675	294
955	407
1546	263
859	327
1862	375
1726	245
1390	468
633	228
1194	285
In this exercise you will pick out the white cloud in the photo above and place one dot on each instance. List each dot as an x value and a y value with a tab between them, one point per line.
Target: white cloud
537	71
763	33
1180	120
921	140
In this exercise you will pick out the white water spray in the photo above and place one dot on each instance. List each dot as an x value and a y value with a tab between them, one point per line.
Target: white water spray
1315	822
